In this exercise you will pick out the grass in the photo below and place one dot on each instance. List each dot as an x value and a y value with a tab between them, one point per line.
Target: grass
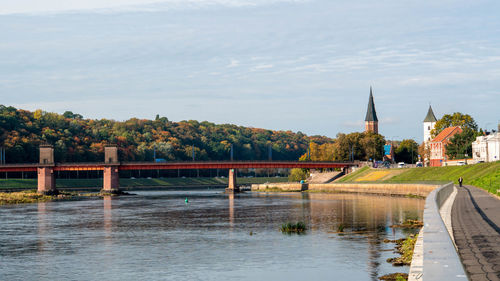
289	227
405	248
394	277
483	175
141	182
354	175
374	176
31	196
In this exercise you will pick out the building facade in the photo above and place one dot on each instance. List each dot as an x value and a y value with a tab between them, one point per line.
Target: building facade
371	120
429	123
438	146
486	148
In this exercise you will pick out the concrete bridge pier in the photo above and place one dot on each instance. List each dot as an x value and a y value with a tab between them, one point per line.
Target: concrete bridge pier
111	177
232	187
45	171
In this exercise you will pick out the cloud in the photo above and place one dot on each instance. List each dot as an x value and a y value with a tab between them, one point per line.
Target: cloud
111	6
233	63
262	66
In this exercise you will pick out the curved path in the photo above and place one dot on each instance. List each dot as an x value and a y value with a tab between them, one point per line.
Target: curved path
476	228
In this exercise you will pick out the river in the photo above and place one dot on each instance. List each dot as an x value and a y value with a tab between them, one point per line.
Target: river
156	235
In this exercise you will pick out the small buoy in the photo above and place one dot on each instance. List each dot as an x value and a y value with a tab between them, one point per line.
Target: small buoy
187	201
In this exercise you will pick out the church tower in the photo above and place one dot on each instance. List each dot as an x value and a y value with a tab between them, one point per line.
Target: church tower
371	120
429	123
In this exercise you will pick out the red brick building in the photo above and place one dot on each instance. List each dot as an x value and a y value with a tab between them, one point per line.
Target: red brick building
371	120
438	145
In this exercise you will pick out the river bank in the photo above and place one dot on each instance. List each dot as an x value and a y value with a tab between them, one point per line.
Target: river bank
417	190
483	175
32	196
128	183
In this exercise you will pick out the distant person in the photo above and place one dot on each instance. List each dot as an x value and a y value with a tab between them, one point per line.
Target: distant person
460	181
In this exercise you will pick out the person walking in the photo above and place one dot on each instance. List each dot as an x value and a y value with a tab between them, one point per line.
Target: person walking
460	181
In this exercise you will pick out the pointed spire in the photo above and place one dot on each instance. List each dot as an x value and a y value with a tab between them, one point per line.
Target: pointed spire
430	115
371	114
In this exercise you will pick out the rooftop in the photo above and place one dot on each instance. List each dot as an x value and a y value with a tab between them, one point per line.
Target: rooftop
447	133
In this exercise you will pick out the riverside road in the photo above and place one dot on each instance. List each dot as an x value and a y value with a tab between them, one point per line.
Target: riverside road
476	228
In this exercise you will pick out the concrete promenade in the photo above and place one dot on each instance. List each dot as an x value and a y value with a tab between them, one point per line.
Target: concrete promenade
476	229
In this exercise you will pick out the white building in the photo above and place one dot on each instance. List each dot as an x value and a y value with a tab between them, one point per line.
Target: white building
429	123
486	148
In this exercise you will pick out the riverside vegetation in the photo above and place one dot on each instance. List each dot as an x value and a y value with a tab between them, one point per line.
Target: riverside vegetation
290	227
31	196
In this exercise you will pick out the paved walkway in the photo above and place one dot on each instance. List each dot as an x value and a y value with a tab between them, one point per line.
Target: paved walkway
476	227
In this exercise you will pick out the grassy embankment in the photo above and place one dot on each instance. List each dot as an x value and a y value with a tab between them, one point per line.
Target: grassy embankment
483	175
167	182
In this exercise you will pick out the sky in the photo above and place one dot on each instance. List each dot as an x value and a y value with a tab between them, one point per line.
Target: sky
300	65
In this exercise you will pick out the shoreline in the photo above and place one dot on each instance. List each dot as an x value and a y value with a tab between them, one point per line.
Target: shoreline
393	189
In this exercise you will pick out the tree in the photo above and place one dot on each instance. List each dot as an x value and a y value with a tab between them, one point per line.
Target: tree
455	119
425	153
461	144
298	174
407	151
373	145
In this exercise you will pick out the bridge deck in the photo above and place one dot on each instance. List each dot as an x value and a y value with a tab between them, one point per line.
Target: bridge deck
177	165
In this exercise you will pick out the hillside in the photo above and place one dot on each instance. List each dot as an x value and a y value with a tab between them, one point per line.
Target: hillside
484	175
77	139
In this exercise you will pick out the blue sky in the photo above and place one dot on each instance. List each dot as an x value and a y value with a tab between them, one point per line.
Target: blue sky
303	65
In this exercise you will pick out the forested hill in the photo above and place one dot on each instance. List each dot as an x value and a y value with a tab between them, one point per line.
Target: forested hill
76	139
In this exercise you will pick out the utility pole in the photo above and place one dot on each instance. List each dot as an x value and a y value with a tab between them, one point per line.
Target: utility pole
154	153
232	153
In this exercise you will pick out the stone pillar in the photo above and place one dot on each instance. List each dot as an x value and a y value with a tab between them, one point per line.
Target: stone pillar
111	178
46	179
46	154
232	187
111	154
111	182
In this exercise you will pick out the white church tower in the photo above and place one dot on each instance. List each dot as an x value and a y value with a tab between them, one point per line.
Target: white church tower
429	123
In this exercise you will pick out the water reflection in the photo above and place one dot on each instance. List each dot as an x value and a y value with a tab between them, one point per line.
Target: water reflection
42	218
231	210
108	218
207	239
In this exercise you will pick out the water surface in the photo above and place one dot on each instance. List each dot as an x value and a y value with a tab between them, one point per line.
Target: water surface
157	236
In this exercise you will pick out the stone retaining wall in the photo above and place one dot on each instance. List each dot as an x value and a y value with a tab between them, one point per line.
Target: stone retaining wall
383	189
288	187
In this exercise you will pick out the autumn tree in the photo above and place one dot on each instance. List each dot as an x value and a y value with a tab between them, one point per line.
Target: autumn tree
298	174
424	152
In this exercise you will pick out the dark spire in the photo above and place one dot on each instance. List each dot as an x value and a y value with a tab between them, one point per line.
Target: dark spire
371	114
430	116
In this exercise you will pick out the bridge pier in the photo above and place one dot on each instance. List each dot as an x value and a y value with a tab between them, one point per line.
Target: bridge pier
45	172
111	180
232	187
46	181
111	175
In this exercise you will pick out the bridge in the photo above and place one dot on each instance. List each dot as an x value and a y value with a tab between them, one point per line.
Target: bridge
111	166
